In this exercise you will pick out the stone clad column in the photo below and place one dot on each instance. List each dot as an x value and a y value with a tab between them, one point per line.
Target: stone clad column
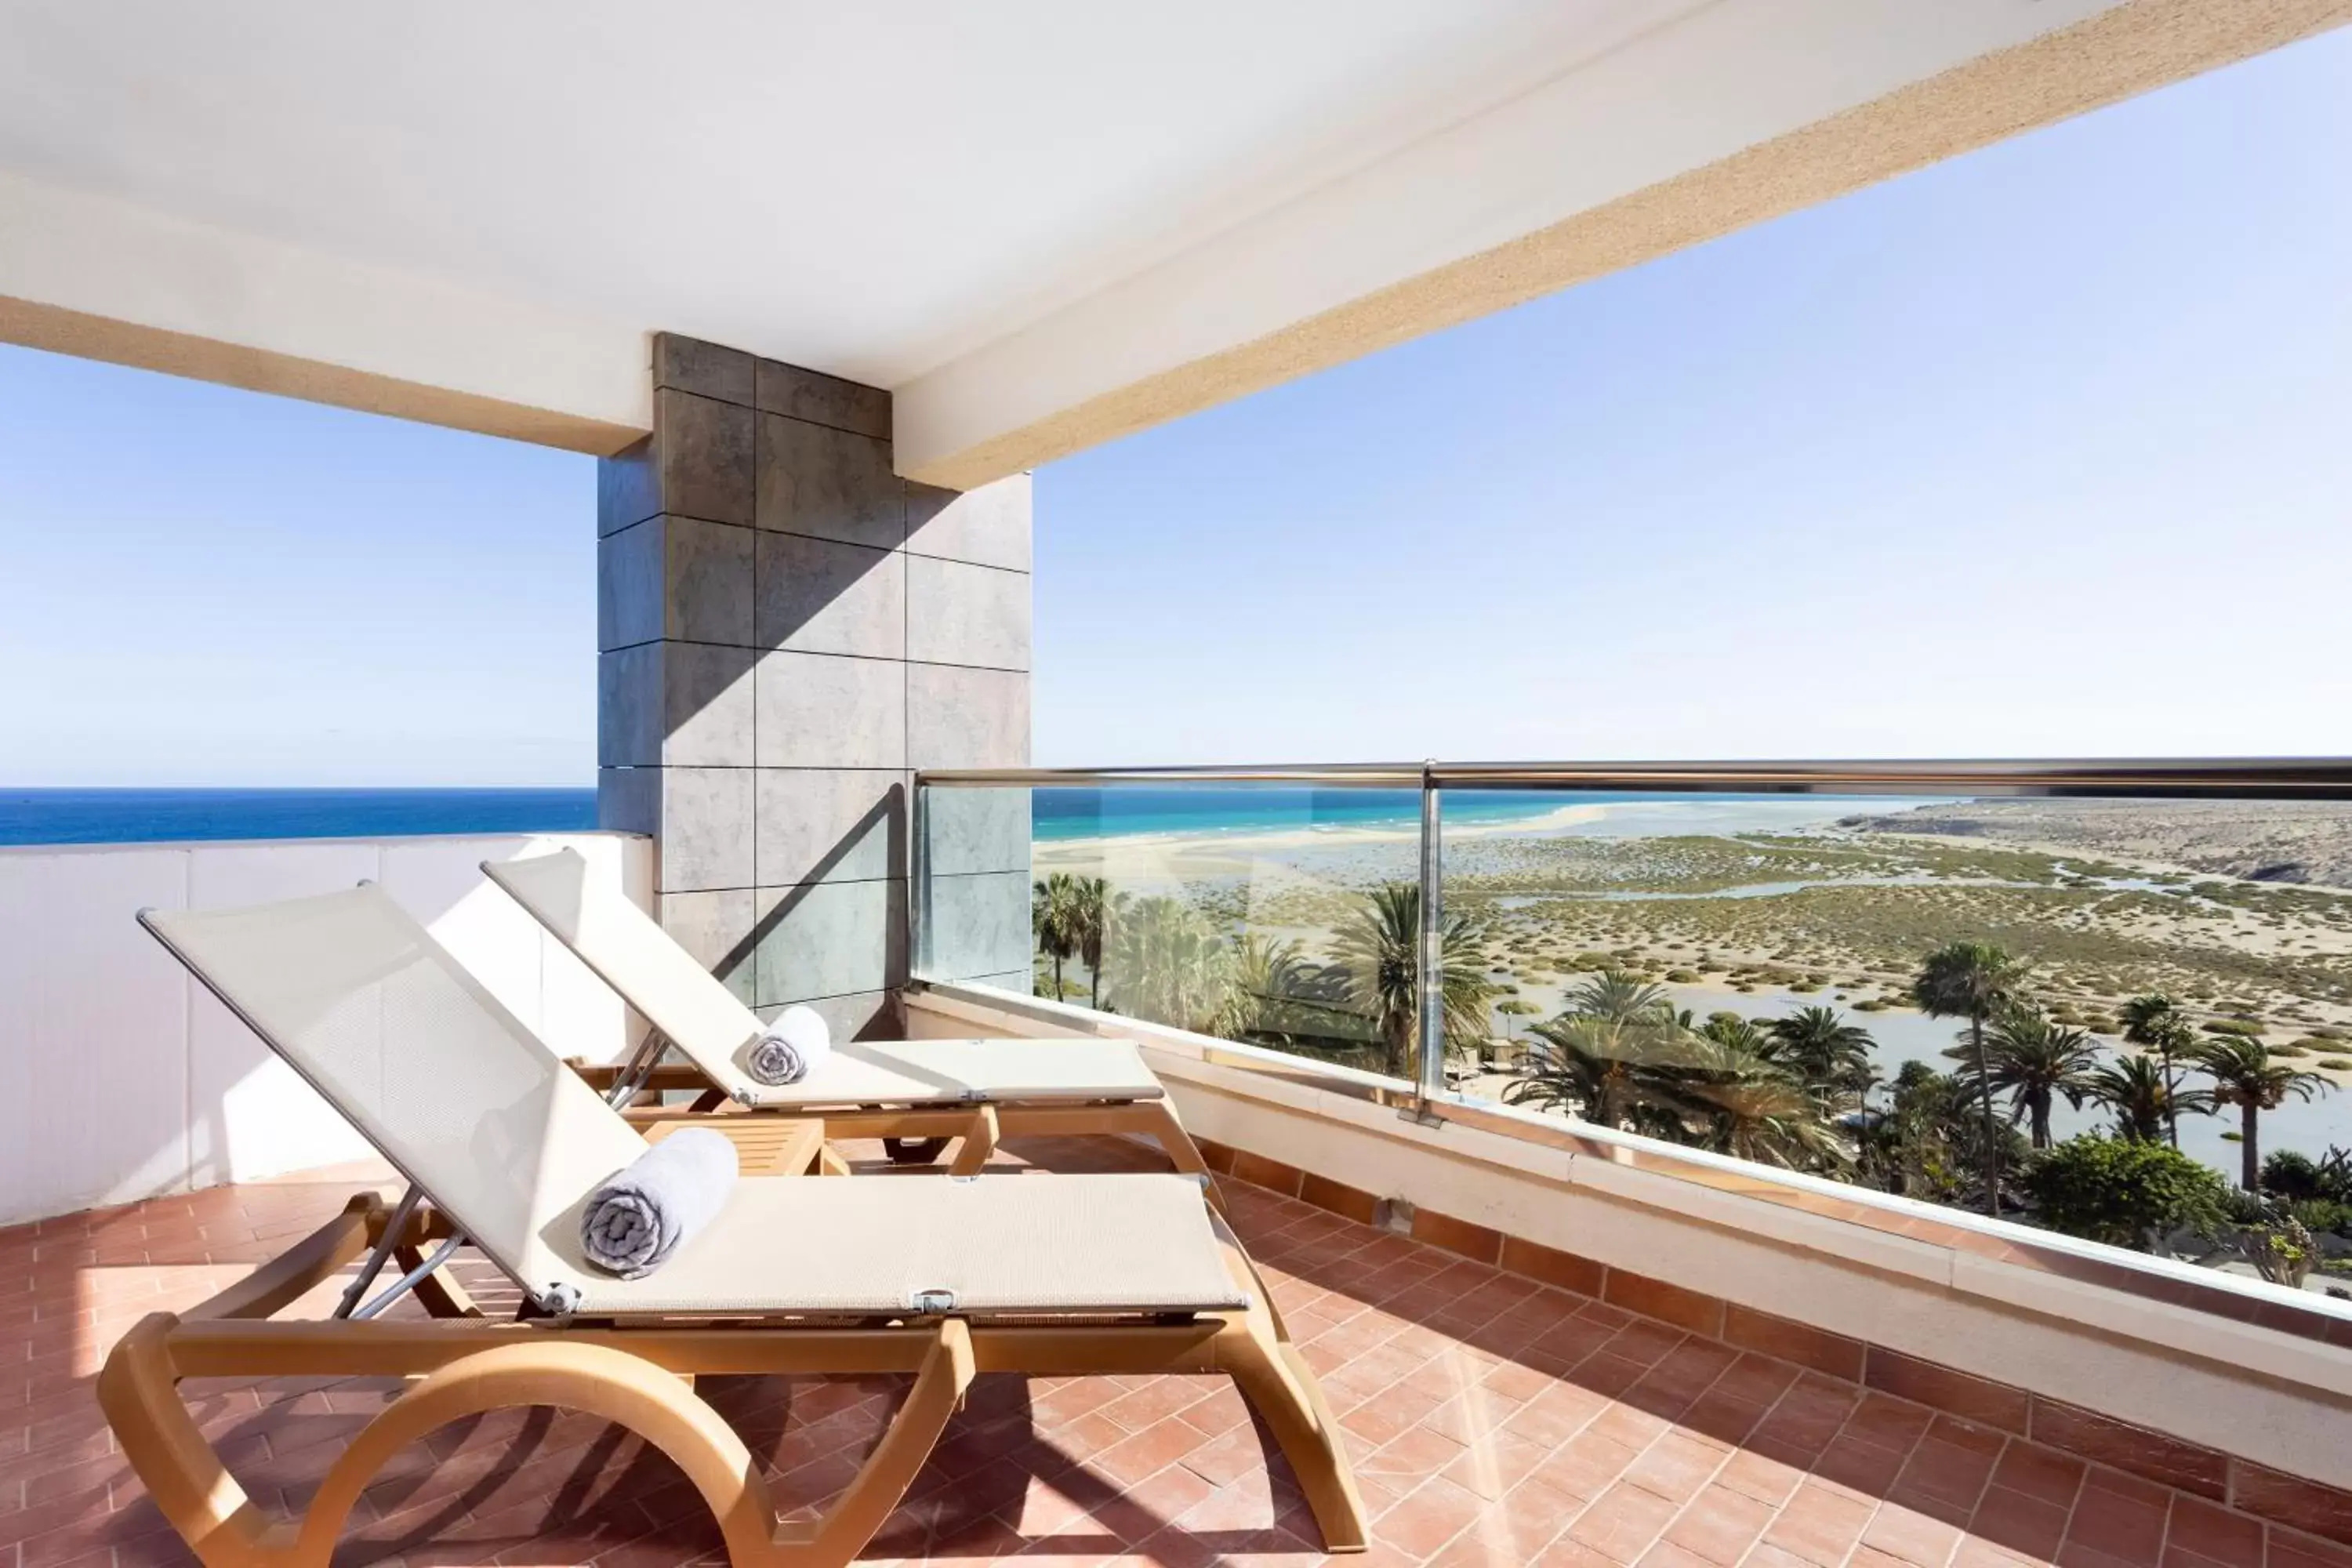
785	629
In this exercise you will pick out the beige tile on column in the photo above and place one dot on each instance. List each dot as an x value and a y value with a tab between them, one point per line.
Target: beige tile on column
961	718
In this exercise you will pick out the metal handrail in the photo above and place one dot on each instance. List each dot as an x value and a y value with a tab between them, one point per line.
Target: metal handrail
2226	778
2247	778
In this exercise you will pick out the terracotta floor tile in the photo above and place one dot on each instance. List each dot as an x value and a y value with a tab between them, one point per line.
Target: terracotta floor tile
1720	1525
2039	1472
1418	1454
1676	1467
1499	1422
1430	1515
1586	1466
1623	1522
2125	1522
2028	1526
1906	1536
1757	1475
2217	1534
1819	1525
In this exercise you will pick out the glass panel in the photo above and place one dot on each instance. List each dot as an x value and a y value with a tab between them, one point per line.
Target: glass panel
1277	915
1803	981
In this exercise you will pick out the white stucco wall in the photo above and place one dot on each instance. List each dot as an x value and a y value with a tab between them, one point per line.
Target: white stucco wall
126	1078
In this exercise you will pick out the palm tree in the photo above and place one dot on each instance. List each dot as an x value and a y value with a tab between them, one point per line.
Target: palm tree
1753	1107
2158	1023
1379	947
1098	909
1623	1073
1265	975
1831	1055
1170	965
2145	1104
2032	1060
2246	1075
1973	981
1615	995
1737	1033
1053	915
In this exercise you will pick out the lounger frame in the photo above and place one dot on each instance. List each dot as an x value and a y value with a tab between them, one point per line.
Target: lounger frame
977	1128
639	1375
978	1125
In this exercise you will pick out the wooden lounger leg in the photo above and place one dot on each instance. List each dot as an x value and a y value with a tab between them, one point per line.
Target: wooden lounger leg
1283	1390
978	1143
438	1292
194	1490
1183	1153
938	1391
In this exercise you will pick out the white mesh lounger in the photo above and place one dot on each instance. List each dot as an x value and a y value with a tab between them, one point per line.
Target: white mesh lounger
941	1279
979	1090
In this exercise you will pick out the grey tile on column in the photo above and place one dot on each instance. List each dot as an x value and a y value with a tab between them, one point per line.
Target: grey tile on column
961	614
708	570
960	718
829	825
630	711
821	710
867	1015
708	370
820	595
629	486
828	484
630	575
988	527
709	696
674	577
706	449
970	830
716	930
706	829
628	800
830	939
820	399
976	924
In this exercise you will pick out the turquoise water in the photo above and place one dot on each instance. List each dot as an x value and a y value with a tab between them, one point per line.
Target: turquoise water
157	816
1257	808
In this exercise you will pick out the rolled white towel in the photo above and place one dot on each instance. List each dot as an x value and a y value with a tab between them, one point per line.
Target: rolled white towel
650	1207
789	1049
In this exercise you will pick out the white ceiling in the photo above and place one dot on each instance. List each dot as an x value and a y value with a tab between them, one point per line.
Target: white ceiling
869	188
911	192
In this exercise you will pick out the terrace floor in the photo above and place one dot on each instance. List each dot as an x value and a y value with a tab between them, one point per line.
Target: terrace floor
1493	1421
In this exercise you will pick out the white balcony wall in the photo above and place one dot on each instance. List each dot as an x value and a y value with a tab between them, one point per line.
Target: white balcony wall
124	1078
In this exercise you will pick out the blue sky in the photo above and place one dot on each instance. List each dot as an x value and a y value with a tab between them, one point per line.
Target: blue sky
2042	451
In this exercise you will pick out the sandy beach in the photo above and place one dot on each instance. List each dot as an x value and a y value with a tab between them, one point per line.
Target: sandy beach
1761	906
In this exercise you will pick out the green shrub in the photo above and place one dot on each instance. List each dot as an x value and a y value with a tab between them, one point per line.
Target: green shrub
1682	976
2244	1028
2337	1064
1870	1005
2117	1190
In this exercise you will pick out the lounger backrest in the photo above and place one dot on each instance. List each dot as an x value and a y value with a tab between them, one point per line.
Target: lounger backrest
636	958
397	1035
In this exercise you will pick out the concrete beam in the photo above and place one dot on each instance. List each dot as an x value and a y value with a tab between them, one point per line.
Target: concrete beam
1513	204
106	280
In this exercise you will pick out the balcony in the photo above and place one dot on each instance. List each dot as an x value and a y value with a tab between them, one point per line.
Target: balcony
1548	1339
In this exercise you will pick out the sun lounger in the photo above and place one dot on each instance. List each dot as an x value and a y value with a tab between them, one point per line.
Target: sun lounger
1066	1276
977	1089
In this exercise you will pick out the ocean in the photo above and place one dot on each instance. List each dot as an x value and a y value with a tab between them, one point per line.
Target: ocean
1208	808
153	816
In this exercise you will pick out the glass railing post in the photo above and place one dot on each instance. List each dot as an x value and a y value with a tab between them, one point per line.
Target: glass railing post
918	879
1429	1075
